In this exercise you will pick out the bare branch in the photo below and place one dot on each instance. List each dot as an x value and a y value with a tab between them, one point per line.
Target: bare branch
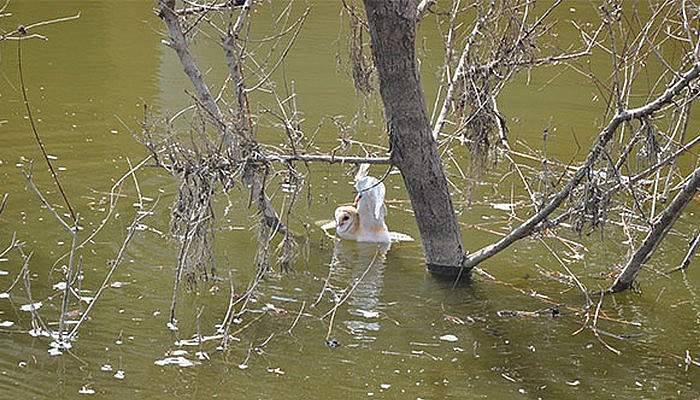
39	142
328	158
3	202
424	7
606	134
22	31
694	245
657	233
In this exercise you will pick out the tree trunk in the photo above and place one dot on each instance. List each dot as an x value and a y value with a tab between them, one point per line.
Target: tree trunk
393	31
657	233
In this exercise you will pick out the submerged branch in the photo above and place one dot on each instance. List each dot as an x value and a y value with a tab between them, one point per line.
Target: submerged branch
694	245
657	233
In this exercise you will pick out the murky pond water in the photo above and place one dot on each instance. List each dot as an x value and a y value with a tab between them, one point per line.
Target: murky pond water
401	333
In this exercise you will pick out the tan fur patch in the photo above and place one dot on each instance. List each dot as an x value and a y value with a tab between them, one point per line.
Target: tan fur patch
376	228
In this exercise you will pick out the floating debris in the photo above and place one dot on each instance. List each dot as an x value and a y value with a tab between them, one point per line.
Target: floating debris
271	307
277	371
332	343
106	368
31	307
86	390
367	314
421	344
37	332
4	295
6	324
503	206
55	351
120	374
197	340
178	361
59	286
454	320
549	311
449	338
280	298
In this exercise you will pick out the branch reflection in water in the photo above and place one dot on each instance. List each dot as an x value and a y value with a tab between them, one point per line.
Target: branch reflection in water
356	276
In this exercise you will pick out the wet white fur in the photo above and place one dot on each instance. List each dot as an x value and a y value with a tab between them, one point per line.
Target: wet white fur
364	222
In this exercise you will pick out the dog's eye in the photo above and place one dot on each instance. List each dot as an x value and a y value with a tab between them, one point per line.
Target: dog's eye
345	218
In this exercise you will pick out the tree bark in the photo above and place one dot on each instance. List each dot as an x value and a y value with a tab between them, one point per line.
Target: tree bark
393	31
658	231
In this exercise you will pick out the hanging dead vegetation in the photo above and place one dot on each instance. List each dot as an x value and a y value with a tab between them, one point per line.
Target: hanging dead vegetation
211	147
507	36
360	63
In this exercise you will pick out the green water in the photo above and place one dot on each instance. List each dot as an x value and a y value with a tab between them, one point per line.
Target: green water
88	85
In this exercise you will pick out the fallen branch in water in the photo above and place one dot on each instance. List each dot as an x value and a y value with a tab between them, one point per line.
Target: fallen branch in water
694	245
657	233
525	229
3	202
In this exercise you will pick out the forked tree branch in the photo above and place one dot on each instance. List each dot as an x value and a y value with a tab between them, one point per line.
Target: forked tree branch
604	137
231	136
657	233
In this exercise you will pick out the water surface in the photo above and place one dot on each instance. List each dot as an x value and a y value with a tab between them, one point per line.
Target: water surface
402	333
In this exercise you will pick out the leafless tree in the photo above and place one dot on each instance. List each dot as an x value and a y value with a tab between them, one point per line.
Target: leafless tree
504	38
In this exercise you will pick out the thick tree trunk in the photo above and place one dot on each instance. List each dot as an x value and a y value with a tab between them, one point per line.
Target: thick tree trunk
657	233
393	31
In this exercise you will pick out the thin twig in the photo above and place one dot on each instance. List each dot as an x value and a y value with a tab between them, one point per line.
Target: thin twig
39	142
